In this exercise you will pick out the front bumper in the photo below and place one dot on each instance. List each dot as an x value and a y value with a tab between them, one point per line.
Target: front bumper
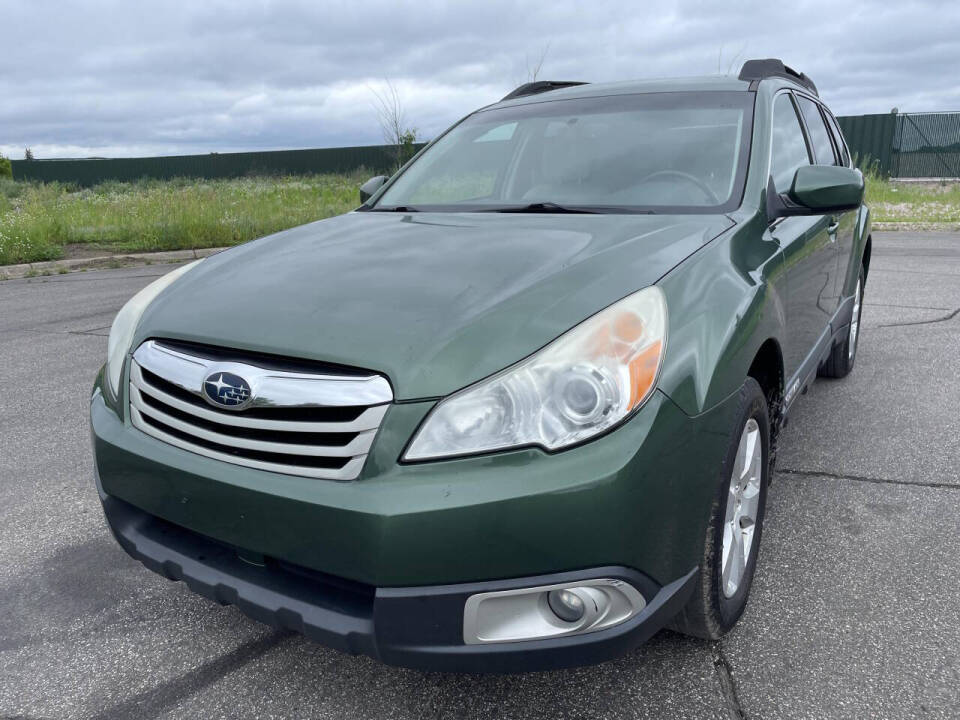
404	545
417	627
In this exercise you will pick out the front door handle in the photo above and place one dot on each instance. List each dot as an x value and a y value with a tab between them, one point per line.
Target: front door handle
833	227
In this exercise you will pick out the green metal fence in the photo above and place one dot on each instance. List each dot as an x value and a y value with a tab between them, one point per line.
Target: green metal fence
374	158
905	145
870	138
926	145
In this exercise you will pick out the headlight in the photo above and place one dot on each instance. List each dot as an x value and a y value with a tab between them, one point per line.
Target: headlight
584	382
125	324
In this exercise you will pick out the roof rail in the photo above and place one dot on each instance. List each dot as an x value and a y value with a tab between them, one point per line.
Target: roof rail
540	86
773	67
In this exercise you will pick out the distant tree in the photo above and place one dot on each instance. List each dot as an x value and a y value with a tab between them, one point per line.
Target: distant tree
408	141
6	170
28	154
392	116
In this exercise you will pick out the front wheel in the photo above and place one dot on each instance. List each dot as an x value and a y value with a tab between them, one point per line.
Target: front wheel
732	539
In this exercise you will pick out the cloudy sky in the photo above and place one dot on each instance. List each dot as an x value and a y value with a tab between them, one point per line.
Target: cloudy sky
143	78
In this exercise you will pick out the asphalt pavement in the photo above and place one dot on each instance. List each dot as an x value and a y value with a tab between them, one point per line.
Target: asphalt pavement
855	611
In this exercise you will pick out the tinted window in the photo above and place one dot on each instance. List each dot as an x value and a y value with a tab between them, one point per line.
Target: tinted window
819	135
674	151
789	147
841	142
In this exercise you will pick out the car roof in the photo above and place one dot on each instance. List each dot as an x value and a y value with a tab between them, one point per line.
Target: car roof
703	83
632	87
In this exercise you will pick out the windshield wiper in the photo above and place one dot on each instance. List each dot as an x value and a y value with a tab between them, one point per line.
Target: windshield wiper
395	208
552	207
545	207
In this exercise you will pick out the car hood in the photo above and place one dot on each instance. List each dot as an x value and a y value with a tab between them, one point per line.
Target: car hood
435	301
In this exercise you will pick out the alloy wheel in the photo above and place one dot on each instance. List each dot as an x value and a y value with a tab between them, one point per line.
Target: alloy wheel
854	324
743	502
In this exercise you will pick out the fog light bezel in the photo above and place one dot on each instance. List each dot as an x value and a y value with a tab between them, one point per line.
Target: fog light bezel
524	614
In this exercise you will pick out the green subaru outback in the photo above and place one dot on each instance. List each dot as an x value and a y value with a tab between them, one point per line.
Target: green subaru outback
519	409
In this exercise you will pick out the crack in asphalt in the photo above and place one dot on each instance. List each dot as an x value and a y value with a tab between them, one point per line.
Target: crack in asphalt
728	690
865	479
91	276
906	307
69	318
950	316
92	331
912	272
154	702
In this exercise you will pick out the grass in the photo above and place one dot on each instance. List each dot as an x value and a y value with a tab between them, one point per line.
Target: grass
47	222
932	205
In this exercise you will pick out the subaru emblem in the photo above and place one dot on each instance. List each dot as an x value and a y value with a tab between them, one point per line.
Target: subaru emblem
226	390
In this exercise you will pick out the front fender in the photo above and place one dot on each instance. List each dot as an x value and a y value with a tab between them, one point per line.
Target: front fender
724	303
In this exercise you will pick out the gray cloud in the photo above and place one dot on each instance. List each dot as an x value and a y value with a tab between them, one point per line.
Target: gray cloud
143	78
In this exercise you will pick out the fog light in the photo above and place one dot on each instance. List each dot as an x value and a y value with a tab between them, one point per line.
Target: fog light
549	611
566	605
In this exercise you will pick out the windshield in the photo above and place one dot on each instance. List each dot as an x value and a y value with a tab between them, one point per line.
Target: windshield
654	152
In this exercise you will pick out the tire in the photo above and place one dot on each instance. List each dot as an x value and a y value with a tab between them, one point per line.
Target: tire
844	354
715	607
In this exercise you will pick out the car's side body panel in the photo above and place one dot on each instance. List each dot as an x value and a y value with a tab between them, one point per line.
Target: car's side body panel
790	281
864	226
724	302
810	257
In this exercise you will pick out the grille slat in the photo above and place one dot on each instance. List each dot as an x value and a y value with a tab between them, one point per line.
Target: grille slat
369	419
270	414
166	402
358	445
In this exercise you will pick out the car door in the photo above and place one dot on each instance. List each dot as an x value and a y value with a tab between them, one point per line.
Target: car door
839	226
809	251
847	221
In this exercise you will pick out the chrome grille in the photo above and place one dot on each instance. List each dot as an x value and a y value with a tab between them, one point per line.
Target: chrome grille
318	425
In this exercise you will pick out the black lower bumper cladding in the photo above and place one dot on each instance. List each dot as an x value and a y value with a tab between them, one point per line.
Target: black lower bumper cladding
416	627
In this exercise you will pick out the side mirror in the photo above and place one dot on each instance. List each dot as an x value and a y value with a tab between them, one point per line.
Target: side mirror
817	190
370	187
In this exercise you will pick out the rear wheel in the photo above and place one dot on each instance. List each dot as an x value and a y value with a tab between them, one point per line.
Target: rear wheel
843	355
732	539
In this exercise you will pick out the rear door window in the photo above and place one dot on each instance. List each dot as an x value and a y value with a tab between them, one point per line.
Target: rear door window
817	130
789	147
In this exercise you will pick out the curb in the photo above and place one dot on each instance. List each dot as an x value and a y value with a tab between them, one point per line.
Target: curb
60	267
895	226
